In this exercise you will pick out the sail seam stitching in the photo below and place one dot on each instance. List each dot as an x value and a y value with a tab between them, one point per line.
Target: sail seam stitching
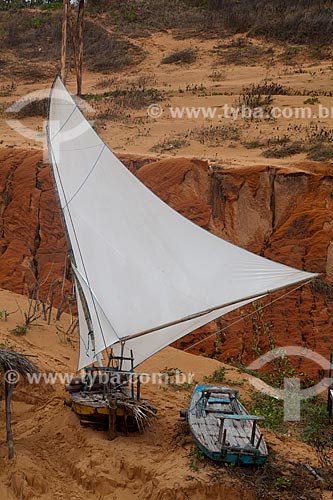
81	256
65	123
85	180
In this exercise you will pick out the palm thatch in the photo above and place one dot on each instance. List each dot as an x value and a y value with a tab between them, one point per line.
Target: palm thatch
13	361
14	365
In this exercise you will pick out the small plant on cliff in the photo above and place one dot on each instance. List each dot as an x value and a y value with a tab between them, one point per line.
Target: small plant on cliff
270	408
284	151
217	376
170	143
256	96
19	330
261	328
196	458
314	420
283	483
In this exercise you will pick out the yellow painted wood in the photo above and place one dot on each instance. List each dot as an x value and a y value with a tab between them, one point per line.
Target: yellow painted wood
81	409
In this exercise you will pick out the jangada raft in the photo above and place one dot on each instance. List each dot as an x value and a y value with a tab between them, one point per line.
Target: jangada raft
223	429
144	275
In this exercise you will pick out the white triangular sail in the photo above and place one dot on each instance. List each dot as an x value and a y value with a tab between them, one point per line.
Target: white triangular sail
143	266
87	353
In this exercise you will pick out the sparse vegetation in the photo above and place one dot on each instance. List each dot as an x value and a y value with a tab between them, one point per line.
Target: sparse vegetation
136	95
283	483
256	96
299	22
20	330
284	151
218	76
312	101
197	457
215	135
313	424
322	287
321	152
114	52
36	107
216	377
242	51
170	143
184	56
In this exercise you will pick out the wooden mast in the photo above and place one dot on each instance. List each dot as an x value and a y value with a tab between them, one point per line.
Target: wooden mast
80	52
76	34
9	389
64	40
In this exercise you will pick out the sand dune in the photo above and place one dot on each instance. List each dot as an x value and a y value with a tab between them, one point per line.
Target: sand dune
56	458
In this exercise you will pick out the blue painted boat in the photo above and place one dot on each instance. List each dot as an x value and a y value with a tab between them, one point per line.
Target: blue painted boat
223	429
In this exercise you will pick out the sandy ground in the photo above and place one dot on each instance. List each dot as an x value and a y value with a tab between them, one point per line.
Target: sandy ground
207	82
56	458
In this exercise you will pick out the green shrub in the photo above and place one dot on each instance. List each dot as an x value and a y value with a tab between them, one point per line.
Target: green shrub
19	330
217	376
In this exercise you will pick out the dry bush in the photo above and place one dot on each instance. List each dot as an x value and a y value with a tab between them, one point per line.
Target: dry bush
111	112
320	143
243	52
321	152
217	75
37	107
316	134
104	83
297	21
36	35
139	17
170	143
7	90
33	35
106	52
262	94
255	96
266	143
284	151
184	56
215	135
135	96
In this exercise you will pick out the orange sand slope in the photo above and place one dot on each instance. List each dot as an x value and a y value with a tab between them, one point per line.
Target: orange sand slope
56	458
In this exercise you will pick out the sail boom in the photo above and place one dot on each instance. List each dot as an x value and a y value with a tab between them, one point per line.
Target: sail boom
212	309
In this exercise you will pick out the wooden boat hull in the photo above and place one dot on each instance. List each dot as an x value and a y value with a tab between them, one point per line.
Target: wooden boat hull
222	428
127	414
92	405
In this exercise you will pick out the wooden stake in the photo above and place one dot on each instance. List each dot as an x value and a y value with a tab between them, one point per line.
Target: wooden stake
80	54
112	419
253	435
9	389
73	35
64	41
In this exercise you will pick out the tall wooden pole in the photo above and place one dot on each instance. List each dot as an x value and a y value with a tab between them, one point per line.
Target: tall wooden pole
9	388
80	54
73	35
64	40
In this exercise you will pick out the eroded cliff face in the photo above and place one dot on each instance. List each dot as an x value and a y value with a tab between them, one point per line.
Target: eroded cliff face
283	214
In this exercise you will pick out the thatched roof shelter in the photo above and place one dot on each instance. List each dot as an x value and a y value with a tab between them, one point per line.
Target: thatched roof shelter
13	361
14	365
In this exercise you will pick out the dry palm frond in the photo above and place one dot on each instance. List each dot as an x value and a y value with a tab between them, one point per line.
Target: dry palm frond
142	411
10	360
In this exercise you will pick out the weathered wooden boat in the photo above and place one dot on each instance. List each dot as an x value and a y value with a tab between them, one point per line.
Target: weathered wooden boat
223	429
108	391
144	275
